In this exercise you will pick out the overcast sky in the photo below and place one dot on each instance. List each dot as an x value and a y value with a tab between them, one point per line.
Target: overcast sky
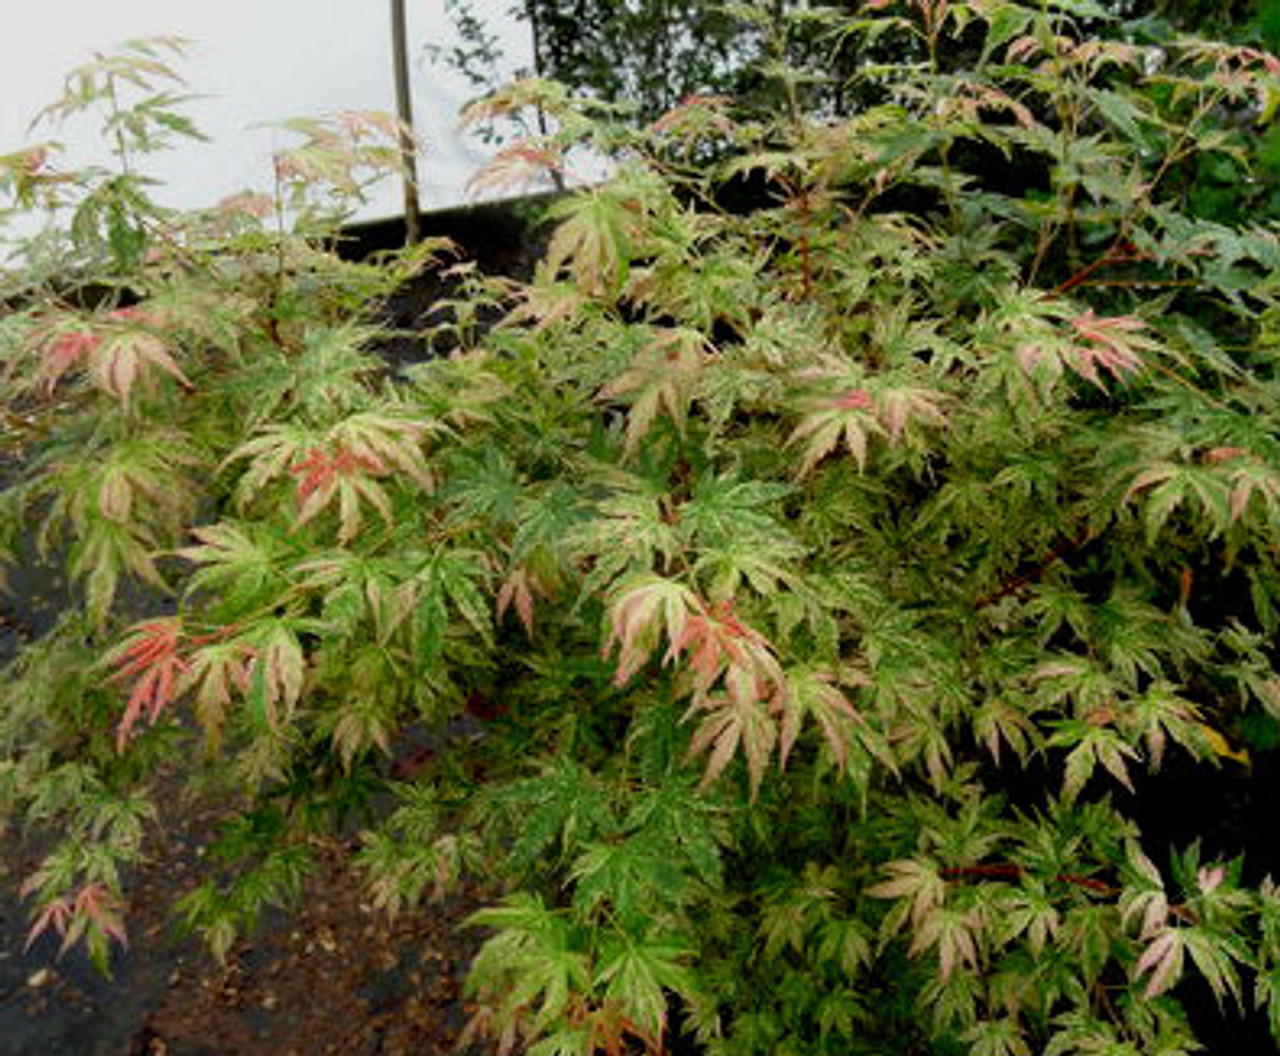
255	61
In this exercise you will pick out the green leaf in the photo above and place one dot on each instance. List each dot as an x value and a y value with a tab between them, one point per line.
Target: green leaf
637	974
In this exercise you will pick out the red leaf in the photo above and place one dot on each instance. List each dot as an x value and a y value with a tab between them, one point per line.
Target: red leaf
151	658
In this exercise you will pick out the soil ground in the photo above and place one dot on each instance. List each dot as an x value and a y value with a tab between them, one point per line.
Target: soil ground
332	978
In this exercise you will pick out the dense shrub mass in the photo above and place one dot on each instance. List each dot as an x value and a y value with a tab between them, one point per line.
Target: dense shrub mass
798	584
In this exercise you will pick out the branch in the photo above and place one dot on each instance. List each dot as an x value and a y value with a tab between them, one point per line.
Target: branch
1013	586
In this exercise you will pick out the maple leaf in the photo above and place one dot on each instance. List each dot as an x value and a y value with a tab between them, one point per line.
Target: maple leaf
56	915
716	639
1113	343
814	694
638	974
347	476
1252	477
518	590
149	656
849	417
521	165
386	439
101	908
900	404
952	932
745	716
547	304
342	464
662	376
276	672
1144	896
640	606
857	414
63	348
918	884
93	907
122	355
213	671
1163	959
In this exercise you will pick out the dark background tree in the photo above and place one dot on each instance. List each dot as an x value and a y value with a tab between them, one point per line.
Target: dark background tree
652	53
649	55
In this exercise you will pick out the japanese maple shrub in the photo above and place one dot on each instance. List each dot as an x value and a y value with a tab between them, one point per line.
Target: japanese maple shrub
831	574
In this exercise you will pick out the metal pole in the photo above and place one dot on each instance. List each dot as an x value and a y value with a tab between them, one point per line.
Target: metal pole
404	111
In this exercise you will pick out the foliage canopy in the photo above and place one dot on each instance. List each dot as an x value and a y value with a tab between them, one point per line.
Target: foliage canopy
833	537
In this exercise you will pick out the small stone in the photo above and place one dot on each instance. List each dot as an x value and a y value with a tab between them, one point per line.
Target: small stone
41	977
270	1001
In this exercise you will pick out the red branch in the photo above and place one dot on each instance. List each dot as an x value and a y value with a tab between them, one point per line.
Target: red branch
1025	579
1011	871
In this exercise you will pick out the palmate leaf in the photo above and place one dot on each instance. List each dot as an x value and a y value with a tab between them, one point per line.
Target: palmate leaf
662	377
723	507
103	554
739	719
448	579
566	805
241	562
917	886
1159	714
1091	744
998	720
630	529
151	657
146	478
328	374
593	240
637	973
737	541
1163	958
348	478
797	908
954	933
1165	486
832	420
997	1037
1143	898
358	725
216	672
889	406
276	672
126	354
765	566
338	466
682	824
640	610
1255	486
714	641
354	588
533	963
117	351
814	695
1029	911
631	877
94	914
